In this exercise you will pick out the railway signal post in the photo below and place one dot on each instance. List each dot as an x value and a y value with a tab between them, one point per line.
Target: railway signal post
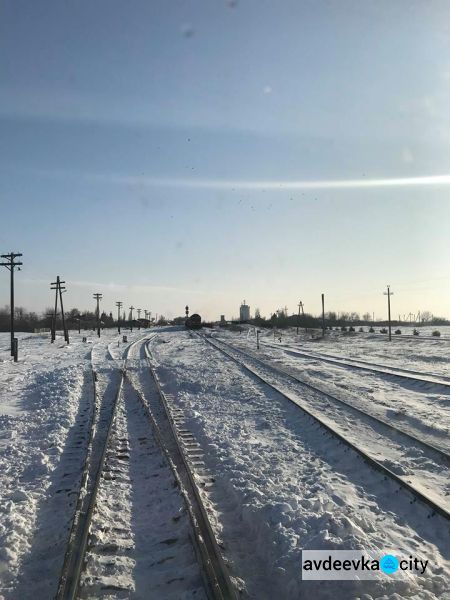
11	263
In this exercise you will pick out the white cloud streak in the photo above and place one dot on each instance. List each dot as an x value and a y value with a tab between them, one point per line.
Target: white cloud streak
224	184
242	184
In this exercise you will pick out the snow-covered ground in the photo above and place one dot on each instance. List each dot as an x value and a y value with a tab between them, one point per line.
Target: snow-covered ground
279	484
420	408
140	536
46	409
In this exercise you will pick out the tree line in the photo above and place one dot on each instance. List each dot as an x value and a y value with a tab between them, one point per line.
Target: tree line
281	320
29	321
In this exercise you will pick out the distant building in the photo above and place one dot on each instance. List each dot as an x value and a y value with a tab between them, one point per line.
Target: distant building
244	312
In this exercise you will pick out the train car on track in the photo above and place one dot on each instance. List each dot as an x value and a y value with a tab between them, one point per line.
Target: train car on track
194	322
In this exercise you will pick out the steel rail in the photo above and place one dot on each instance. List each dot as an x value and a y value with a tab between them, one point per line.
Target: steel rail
72	569
353	364
427	445
220	584
436	508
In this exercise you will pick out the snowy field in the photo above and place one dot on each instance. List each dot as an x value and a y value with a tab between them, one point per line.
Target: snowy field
280	485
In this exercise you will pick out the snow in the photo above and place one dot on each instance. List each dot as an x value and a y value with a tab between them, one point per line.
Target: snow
45	414
281	484
44	406
422	409
277	483
140	540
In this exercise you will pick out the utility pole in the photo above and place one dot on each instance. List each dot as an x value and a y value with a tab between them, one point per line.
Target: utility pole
51	316
323	314
389	294
98	297
66	331
59	289
119	306
300	308
139	317
11	264
131	313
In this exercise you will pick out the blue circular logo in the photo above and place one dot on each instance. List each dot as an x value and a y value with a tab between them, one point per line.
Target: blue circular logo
389	564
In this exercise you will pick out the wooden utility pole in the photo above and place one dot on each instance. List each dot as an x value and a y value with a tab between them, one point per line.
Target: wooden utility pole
139	317
59	289
131	315
66	331
119	306
98	297
11	264
323	314
389	294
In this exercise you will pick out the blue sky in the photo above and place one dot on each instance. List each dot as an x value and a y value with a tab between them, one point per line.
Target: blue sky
166	153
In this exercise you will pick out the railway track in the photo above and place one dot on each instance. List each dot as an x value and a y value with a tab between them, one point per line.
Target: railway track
319	411
130	454
426	444
346	362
